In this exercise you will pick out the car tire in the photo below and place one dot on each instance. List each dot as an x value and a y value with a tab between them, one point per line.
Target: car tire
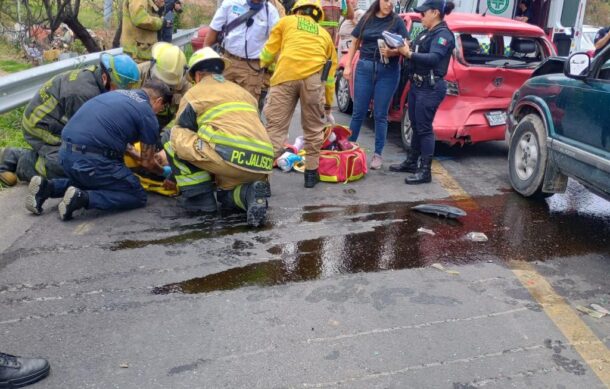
406	131
344	99
527	157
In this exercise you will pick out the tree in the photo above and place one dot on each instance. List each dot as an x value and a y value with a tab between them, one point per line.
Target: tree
50	14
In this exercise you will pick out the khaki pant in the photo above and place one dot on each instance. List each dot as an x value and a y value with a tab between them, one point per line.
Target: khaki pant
281	102
246	74
199	153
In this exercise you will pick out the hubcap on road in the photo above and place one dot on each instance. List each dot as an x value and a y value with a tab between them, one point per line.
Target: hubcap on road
526	156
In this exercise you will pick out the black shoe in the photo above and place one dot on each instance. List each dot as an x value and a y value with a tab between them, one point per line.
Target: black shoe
17	372
312	177
409	165
73	200
423	174
256	203
268	189
39	191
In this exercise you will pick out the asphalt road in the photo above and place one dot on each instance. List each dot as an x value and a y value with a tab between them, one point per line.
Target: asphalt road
337	290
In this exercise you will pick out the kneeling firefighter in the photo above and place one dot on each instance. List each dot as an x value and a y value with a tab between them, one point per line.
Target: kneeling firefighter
218	132
168	65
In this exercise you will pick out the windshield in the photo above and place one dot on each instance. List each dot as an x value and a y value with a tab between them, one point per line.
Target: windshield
497	50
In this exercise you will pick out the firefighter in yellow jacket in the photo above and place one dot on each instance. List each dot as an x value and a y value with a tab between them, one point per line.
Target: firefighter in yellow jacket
219	139
168	65
141	21
305	71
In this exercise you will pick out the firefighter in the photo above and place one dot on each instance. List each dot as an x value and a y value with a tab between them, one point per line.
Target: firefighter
244	39
50	109
92	149
218	132
305	71
168	64
333	11
429	60
140	24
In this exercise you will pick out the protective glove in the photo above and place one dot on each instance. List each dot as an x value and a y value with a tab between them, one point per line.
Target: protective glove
330	119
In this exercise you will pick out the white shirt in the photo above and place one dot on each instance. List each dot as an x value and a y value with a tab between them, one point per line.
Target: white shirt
254	36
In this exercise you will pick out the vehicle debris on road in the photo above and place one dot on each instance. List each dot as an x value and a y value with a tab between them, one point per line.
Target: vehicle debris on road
447	211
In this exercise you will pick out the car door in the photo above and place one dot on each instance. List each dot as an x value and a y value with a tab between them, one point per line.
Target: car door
582	133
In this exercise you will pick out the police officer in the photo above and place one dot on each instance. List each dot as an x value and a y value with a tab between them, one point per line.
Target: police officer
168	64
93	145
218	132
50	109
429	60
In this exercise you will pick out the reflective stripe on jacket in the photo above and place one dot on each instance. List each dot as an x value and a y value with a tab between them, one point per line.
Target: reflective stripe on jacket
140	25
186	176
58	100
225	116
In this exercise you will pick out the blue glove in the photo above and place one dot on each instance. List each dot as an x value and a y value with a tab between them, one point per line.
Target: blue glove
167	171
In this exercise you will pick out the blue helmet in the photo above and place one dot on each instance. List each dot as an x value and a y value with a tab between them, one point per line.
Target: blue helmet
122	69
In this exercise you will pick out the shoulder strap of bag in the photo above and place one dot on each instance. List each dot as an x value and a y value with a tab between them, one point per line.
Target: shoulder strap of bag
241	19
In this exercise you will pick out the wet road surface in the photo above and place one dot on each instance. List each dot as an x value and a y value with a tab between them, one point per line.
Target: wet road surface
337	290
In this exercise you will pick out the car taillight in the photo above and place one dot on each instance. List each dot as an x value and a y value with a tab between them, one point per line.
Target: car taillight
453	89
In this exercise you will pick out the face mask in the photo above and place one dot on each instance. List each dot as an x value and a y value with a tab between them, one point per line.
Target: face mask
254	6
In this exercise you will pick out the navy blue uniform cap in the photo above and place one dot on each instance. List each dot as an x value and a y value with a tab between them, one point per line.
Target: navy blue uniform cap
432	4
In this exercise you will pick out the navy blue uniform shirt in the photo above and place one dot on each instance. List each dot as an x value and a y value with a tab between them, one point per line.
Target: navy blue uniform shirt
432	50
527	13
600	34
372	31
112	120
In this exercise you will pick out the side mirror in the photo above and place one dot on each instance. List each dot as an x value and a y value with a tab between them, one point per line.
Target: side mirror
577	66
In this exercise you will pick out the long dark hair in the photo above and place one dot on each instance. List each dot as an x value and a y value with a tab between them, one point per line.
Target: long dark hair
373	9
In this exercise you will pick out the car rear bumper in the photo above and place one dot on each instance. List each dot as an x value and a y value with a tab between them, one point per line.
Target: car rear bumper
462	120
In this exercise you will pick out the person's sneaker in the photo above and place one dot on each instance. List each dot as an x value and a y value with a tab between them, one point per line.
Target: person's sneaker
17	372
376	162
8	178
73	200
39	190
312	177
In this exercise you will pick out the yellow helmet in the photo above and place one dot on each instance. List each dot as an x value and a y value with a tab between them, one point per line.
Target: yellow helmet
204	55
168	63
317	13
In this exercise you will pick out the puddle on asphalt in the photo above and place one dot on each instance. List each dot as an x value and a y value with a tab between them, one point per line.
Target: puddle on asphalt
577	223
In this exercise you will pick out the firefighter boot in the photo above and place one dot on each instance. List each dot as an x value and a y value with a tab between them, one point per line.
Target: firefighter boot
17	372
204	203
73	200
8	165
40	189
423	174
312	177
248	197
409	165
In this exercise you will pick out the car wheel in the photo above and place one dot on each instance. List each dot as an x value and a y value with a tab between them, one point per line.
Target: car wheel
527	156
406	131
344	100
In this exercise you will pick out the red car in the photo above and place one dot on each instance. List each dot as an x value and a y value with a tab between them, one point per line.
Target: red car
199	38
493	57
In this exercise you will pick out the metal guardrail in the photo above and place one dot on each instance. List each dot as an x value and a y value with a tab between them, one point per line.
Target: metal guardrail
17	89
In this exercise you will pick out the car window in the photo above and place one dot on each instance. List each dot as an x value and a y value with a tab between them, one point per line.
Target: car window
604	71
501	50
416	29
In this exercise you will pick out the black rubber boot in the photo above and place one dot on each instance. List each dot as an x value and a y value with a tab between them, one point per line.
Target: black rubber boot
73	200
423	174
409	165
17	372
39	191
199	198
251	198
312	177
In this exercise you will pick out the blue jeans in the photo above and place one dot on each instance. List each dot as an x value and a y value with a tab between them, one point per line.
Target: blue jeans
373	80
109	184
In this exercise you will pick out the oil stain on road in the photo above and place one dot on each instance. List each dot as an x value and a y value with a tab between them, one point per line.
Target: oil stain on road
517	228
